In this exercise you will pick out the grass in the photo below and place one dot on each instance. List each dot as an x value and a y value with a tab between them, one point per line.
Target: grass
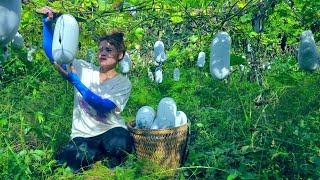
239	129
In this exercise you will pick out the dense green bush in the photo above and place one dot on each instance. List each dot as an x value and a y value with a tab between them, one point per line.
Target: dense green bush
239	129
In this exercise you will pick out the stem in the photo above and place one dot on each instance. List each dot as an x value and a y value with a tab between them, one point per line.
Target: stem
248	120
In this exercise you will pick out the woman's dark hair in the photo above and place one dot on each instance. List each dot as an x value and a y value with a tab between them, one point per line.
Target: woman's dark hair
115	39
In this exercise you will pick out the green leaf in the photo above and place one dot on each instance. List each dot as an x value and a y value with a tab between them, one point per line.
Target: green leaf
237	60
39	117
253	34
245	18
139	32
193	38
233	175
102	5
3	122
200	125
176	18
315	160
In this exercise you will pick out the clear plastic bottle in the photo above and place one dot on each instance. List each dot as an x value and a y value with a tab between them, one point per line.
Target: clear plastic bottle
176	74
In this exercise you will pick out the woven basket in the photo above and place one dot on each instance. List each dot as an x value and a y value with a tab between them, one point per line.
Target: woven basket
166	147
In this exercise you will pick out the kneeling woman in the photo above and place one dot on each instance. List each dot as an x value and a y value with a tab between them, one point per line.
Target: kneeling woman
101	93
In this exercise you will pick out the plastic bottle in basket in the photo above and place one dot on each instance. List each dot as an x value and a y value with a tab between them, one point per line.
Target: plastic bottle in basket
145	117
181	119
166	114
65	39
10	15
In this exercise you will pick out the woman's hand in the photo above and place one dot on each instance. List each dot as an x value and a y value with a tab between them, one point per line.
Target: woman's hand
47	11
64	71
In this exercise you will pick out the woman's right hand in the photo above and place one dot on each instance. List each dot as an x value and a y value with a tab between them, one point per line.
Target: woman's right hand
64	71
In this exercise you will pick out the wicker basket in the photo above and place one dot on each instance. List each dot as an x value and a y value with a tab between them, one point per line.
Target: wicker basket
166	147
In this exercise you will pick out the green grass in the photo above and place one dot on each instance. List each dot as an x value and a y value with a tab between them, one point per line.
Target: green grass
238	128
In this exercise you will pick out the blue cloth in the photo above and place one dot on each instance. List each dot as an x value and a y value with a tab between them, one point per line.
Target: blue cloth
102	106
47	38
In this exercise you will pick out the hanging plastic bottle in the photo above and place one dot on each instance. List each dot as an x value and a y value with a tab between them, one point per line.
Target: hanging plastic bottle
150	75
65	39
133	11
125	64
90	56
10	15
266	65
249	49
158	74
176	74
166	114
308	54
31	50
130	7
241	67
18	41
201	59
159	53
145	117
220	56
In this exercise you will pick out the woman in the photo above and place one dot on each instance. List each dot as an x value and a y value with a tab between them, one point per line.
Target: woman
100	95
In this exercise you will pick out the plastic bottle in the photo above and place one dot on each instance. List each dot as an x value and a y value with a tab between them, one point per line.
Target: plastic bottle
176	74
308	54
125	64
201	59
181	119
18	41
159	53
145	117
158	74
166	114
220	56
65	39
10	15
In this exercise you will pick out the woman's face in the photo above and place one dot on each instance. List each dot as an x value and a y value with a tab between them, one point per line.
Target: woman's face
108	55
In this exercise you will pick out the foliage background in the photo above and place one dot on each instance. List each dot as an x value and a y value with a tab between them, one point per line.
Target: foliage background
240	129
